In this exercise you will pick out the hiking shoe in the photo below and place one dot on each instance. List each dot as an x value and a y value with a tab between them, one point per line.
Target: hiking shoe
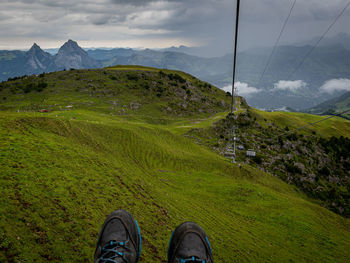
189	243
119	240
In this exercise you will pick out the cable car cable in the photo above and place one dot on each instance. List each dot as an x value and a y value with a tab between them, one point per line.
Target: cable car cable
276	43
318	42
313	123
235	57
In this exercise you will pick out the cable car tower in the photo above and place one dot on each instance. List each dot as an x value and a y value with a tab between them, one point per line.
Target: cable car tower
231	147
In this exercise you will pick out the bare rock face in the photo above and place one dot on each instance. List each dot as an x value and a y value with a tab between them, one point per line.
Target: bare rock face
37	59
183	104
135	105
301	167
70	55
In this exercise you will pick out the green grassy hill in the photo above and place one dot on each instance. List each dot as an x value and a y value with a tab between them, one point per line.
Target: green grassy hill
64	170
334	106
316	158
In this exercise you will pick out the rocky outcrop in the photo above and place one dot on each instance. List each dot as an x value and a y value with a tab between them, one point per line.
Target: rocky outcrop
37	59
70	55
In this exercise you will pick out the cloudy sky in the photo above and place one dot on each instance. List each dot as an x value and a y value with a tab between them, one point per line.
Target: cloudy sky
163	23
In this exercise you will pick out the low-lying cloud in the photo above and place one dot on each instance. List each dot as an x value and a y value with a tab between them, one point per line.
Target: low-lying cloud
290	85
243	89
334	85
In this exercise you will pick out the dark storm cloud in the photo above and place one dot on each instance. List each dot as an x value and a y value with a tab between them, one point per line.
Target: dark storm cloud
197	22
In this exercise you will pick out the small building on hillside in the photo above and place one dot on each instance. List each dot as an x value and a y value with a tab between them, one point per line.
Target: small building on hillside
250	153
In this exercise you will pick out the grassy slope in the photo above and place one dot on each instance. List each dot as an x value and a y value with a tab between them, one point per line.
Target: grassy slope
61	176
315	159
334	106
114	89
333	127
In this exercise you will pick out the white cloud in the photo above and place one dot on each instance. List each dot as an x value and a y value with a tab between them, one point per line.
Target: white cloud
290	85
242	89
333	85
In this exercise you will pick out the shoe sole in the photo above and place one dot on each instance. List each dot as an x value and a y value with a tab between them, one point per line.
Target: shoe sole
184	228
118	214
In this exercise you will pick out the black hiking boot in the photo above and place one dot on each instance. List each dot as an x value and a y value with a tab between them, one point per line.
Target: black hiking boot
189	243
119	240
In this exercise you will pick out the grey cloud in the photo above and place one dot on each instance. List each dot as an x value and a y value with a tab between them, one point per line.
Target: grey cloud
99	19
4	17
141	2
206	22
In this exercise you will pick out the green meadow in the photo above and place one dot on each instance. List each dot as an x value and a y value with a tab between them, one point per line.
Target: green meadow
94	151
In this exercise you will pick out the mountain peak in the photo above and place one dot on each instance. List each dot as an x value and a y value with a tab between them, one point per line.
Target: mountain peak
70	45
37	59
72	42
35	48
71	55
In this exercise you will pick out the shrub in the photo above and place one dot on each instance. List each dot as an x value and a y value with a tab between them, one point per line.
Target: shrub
291	168
34	87
28	88
41	86
257	159
132	77
176	77
324	171
160	89
292	137
16	78
162	74
280	141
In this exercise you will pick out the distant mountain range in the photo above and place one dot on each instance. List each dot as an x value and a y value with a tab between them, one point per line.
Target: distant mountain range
325	63
36	60
334	106
329	61
342	39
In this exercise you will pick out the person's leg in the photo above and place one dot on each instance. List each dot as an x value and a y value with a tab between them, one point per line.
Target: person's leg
119	239
189	243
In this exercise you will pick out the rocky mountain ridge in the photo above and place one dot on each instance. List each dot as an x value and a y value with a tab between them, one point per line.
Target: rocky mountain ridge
70	55
36	60
325	63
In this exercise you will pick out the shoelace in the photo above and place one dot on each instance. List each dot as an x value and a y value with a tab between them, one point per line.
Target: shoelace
110	253
191	259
